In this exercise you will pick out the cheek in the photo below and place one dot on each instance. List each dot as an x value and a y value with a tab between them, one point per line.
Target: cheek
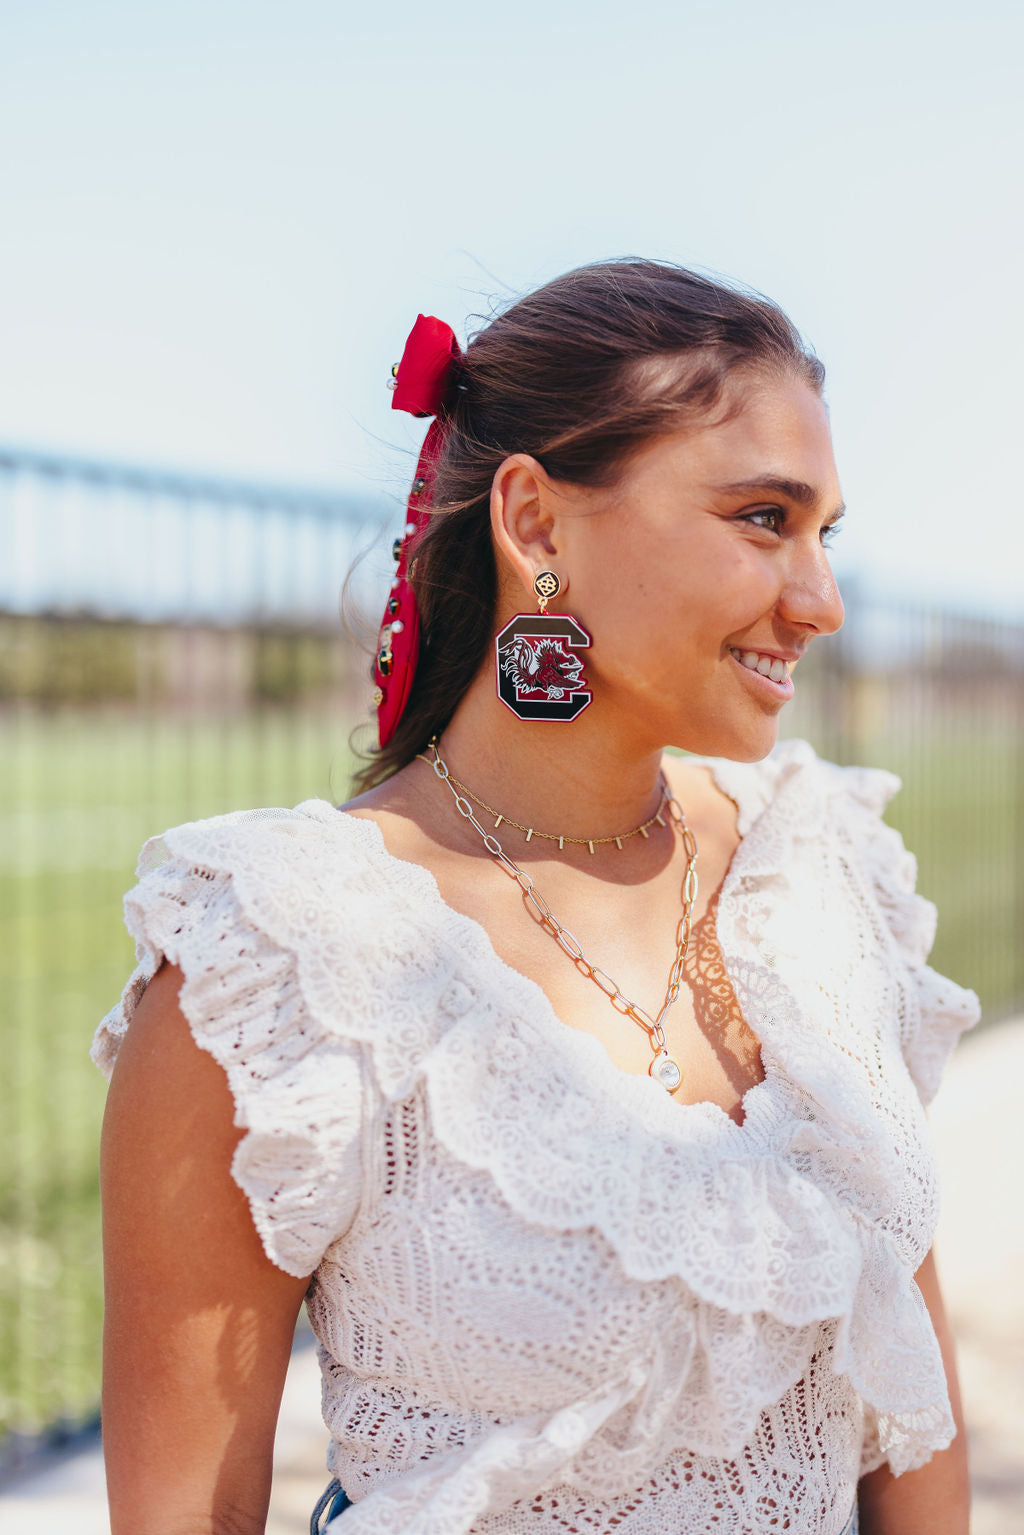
670	594
712	599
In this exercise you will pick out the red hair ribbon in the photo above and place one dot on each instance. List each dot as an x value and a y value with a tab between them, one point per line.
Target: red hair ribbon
423	379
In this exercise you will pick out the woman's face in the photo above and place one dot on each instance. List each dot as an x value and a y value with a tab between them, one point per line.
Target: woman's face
705	567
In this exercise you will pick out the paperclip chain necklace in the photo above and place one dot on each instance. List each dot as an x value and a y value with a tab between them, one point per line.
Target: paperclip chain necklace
665	1070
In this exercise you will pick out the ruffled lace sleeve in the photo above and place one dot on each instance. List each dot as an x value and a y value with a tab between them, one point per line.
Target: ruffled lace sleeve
934	1011
298	1086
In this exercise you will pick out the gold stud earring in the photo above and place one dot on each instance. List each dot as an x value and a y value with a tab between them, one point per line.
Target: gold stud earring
546	587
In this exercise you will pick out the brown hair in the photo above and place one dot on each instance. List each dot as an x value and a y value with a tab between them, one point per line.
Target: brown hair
579	375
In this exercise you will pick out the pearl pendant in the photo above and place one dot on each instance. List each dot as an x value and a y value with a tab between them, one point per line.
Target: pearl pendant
665	1071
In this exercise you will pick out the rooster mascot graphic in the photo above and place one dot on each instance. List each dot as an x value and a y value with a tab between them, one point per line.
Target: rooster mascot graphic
540	674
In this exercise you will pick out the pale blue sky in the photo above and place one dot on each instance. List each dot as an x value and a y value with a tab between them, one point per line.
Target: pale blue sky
220	219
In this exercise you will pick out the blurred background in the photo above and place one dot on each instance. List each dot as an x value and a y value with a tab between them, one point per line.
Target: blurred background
218	224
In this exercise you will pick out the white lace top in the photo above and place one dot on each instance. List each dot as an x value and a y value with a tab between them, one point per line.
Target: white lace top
548	1297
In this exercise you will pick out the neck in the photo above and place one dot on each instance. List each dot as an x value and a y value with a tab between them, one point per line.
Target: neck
581	778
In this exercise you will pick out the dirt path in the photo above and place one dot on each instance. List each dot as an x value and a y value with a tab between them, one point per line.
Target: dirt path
979	1130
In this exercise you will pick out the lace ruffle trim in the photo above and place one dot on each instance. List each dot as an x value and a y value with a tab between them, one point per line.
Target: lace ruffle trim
297	1088
944	1009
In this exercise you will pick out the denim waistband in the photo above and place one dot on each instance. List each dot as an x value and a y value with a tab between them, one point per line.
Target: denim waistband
333	1502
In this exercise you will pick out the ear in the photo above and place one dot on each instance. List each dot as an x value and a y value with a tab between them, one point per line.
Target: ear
524	523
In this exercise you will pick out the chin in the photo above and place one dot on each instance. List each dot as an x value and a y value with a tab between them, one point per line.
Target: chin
736	740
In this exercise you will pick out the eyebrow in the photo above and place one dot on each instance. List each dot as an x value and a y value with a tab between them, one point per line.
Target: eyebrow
795	490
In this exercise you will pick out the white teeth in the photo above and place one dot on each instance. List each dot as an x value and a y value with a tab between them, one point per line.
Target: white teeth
767	666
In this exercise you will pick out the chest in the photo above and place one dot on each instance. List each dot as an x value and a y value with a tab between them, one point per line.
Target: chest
629	930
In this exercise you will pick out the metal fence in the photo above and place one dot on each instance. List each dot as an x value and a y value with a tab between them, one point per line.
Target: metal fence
170	648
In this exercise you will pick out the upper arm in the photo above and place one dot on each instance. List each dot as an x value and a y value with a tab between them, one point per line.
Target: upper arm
199	1322
935	1498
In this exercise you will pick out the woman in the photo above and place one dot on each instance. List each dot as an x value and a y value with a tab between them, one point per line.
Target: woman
610	1197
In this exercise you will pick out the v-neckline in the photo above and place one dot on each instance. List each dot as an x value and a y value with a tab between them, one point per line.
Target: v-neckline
579	1042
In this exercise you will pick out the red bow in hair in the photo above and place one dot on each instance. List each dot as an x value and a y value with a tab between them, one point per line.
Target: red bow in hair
423	379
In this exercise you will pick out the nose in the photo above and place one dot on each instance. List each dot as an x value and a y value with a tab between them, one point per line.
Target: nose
810	596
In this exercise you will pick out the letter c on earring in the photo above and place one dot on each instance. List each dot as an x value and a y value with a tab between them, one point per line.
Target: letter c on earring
539	671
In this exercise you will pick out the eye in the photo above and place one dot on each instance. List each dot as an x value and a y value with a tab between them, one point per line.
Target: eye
830	533
770	517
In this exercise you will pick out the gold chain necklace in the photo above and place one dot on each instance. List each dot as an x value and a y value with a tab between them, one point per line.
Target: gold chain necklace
663	1068
657	819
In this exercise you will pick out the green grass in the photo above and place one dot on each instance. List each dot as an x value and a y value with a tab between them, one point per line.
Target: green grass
81	793
83	788
961	812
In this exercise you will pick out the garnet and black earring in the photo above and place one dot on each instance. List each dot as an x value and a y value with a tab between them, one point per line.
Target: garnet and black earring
539	674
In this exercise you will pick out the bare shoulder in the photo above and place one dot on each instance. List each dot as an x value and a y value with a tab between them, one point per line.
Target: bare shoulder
397	795
169	1132
404	806
163	1078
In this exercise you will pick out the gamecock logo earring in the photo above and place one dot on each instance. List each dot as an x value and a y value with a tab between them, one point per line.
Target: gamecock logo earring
540	676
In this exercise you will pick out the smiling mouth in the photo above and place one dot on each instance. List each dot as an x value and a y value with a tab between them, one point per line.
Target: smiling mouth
770	667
